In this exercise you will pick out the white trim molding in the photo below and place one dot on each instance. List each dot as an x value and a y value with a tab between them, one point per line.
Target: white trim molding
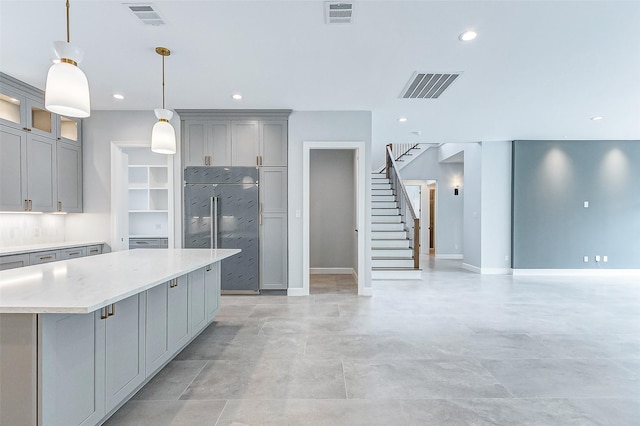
297	292
359	148
587	272
449	256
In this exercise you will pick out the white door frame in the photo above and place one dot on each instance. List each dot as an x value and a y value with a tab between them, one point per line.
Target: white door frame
359	148
117	176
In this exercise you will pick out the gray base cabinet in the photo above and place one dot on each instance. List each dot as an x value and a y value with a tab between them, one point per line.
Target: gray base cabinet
91	364
46	256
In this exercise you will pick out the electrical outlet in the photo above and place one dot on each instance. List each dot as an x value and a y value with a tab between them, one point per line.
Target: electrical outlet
605	258
585	204
597	258
585	259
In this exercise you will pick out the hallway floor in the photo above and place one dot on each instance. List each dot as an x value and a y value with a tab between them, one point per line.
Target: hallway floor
456	348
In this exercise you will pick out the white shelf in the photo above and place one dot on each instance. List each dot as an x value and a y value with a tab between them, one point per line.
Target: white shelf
149	193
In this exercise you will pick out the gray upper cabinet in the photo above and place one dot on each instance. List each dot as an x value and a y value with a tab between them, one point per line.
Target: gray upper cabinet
245	143
41	174
207	143
28	171
69	157
13	169
33	178
234	137
273	143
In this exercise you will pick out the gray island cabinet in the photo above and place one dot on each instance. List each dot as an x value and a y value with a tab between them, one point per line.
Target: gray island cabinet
79	337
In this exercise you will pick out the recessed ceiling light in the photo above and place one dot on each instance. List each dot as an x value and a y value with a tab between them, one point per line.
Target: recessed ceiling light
236	96
468	35
118	96
402	119
597	118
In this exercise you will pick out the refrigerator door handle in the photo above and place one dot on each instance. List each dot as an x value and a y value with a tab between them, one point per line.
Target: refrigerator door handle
214	222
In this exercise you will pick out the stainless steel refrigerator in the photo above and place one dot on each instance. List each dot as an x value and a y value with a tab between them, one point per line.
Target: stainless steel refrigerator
221	211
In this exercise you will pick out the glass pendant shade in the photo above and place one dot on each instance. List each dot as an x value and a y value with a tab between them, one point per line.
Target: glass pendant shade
67	88
163	136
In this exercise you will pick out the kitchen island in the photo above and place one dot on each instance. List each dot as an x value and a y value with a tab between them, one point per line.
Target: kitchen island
79	337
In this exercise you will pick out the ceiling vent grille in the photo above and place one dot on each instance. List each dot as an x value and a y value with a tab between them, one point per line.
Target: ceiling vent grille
146	13
338	13
423	85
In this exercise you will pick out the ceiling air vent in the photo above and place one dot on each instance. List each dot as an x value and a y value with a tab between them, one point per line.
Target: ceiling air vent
338	13
423	85
146	12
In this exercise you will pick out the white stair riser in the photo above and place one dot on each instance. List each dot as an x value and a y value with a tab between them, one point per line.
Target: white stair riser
385	212
388	219
390	244
392	252
384	205
376	192
378	235
387	226
392	263
376	185
386	198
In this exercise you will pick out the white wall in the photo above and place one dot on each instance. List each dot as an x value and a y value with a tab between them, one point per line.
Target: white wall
496	207
332	236
322	126
449	207
99	131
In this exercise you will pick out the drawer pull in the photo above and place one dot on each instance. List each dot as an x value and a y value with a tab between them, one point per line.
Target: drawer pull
94	251
75	253
103	313
142	242
46	257
208	268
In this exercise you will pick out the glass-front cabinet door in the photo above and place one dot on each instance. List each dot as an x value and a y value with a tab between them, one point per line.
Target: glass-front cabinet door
39	120
69	129
12	109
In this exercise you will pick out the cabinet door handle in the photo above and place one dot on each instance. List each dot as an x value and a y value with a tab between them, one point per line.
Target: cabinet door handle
103	313
59	206
259	160
111	311
30	205
26	205
75	253
208	268
26	129
46	257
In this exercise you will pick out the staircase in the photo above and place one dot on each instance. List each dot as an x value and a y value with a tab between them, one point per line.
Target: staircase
392	256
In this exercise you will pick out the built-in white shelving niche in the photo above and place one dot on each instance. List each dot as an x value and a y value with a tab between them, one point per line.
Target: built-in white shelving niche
149	193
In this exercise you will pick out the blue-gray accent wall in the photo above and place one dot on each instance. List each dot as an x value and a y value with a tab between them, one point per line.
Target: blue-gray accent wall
551	228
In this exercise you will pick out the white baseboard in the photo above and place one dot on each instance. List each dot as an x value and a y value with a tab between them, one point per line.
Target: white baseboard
355	274
496	271
471	268
367	291
567	272
449	256
332	271
297	292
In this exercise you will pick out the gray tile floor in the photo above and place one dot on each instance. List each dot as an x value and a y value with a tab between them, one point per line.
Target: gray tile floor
456	348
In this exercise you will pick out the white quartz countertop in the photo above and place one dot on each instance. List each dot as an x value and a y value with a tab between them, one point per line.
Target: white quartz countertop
86	284
8	250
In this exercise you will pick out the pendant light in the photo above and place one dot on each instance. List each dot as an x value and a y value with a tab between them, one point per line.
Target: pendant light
67	89
163	137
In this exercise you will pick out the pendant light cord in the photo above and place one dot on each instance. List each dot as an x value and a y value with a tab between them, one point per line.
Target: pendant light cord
163	82
68	37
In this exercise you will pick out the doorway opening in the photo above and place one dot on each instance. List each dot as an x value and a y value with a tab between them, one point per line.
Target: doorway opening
422	194
332	221
333	217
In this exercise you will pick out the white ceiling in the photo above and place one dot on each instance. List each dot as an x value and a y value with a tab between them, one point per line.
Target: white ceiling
537	70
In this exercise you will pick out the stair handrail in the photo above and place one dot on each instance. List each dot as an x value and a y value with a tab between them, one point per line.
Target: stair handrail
400	150
404	203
